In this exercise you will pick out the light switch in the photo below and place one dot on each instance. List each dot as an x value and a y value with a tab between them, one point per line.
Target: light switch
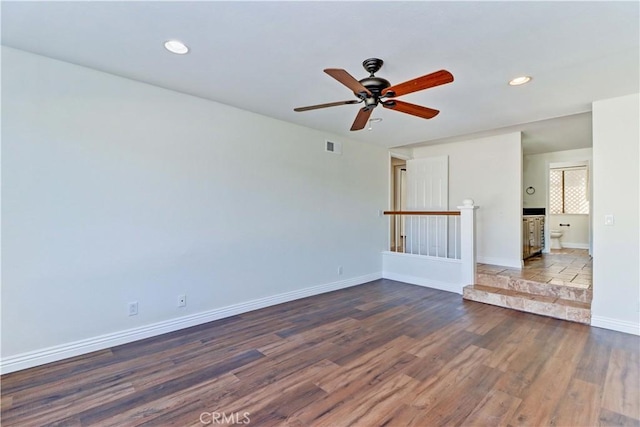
608	220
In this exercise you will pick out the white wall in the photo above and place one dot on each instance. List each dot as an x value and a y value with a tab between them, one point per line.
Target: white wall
536	175
616	191
118	191
489	171
535	171
436	273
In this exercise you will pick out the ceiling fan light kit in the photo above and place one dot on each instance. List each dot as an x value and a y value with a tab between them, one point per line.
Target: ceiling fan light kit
374	90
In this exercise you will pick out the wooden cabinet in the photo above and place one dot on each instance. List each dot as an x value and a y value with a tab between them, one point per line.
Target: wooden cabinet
526	252
532	235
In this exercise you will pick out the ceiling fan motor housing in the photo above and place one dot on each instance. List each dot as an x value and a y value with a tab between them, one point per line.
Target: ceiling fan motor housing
375	84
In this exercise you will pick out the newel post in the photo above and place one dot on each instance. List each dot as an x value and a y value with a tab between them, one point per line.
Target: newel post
468	241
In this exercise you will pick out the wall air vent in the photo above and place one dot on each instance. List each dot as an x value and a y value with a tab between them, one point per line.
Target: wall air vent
333	147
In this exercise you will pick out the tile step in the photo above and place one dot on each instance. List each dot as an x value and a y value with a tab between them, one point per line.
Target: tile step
544	305
579	293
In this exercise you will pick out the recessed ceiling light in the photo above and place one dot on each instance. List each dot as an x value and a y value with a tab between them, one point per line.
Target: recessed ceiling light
176	46
520	80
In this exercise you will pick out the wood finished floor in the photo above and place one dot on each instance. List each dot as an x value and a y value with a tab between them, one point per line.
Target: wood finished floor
379	354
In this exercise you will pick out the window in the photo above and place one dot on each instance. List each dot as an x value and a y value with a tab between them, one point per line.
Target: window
568	190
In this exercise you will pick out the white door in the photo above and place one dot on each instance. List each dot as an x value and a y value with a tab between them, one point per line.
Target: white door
428	190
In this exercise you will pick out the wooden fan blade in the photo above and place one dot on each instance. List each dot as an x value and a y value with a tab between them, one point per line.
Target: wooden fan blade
425	82
413	109
361	119
348	80
330	104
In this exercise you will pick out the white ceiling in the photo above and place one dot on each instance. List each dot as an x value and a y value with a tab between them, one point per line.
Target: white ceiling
268	57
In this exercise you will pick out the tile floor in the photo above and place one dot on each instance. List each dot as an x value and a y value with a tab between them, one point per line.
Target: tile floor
567	267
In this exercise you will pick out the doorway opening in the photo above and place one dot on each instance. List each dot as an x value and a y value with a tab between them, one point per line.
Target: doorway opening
569	206
398	202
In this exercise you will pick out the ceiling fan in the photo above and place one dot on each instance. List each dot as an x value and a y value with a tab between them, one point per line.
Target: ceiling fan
374	90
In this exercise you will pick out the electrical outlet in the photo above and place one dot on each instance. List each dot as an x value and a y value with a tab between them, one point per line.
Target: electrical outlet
182	300
133	308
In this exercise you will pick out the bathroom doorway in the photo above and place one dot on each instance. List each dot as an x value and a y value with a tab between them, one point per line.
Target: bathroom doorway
569	206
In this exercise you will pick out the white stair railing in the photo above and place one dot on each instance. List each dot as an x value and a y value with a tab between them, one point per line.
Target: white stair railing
447	235
428	233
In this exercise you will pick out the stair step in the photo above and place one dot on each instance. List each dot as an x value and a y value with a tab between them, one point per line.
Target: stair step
571	292
545	305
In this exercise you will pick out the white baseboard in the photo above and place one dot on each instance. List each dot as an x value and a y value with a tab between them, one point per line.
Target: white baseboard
77	348
421	281
616	325
575	245
504	262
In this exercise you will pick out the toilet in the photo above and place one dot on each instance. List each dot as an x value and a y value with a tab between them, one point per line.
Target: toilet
555	239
